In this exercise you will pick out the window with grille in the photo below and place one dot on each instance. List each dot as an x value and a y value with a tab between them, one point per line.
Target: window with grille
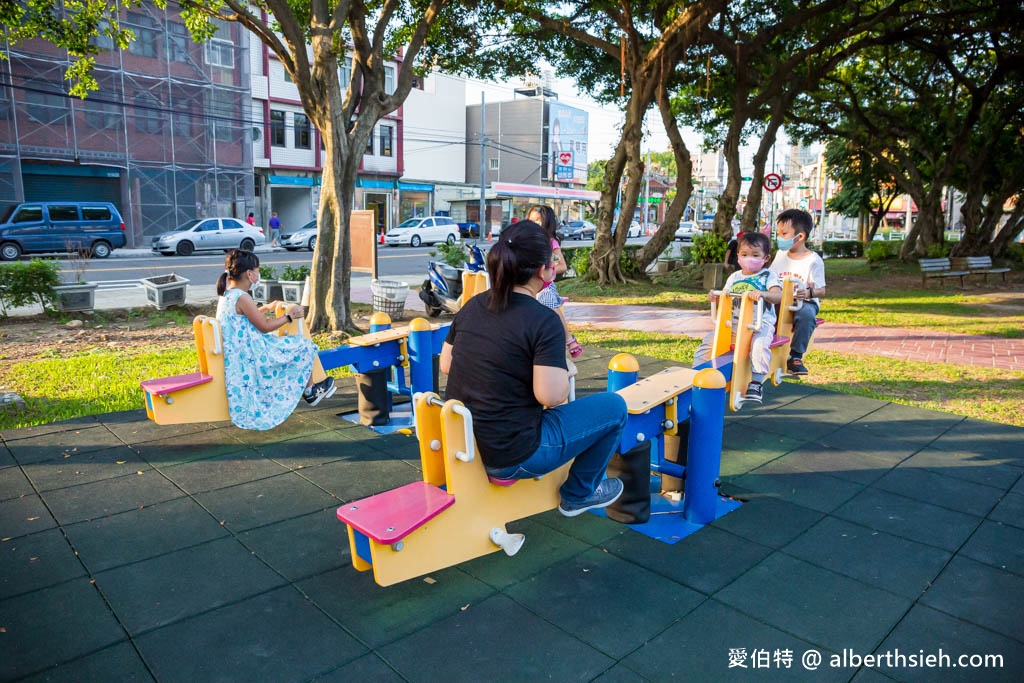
144	28
178	42
220	51
492	164
102	114
225	114
148	116
302	131
277	128
46	107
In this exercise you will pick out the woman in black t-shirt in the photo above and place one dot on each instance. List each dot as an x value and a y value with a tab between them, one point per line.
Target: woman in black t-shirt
505	360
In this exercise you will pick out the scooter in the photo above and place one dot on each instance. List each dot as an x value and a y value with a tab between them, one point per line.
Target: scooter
442	290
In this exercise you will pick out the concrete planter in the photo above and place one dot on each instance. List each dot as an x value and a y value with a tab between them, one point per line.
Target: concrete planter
267	291
291	291
714	276
667	265
165	290
77	297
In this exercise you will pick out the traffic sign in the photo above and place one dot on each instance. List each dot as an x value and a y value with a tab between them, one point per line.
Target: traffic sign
772	182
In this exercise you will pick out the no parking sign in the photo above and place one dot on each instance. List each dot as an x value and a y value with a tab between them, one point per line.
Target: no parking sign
772	182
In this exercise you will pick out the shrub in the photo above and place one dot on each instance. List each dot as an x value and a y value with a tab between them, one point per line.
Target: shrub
452	254
708	248
24	283
268	272
290	274
843	249
881	251
579	260
937	250
1015	252
627	261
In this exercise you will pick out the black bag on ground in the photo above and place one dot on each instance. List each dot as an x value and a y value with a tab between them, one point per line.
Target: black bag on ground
633	468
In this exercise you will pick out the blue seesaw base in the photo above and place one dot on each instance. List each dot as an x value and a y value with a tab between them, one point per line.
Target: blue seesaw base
401	418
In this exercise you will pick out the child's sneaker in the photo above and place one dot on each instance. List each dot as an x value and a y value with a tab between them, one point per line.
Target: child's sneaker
319	391
754	392
606	493
795	366
575	349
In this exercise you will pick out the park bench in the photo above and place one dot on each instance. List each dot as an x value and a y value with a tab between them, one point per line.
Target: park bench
979	265
941	268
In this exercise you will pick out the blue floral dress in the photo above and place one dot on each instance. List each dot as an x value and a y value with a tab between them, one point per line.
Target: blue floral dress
265	374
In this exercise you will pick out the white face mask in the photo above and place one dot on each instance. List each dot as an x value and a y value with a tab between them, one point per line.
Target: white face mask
257	280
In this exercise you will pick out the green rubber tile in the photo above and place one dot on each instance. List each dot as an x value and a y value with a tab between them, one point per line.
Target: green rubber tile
54	625
21	433
198	446
744	450
718	643
990	440
605	601
1010	510
83	468
916	425
14	483
379	615
355	432
706	560
966	465
367	668
36	561
110	496
142	533
361	476
492	639
858	467
768	521
870	676
277	636
303	546
815	604
314	449
619	673
6	459
927	630
399	446
814	416
852	441
908	518
133	427
589	528
294	426
222	471
895	564
543	548
948	492
266	501
981	594
56	445
116	663
820	492
24	515
999	545
164	589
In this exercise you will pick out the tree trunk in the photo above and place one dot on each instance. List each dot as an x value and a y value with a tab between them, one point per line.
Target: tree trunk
753	207
731	192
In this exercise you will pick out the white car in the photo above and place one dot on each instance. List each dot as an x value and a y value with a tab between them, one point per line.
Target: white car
205	234
634	230
428	230
687	230
303	238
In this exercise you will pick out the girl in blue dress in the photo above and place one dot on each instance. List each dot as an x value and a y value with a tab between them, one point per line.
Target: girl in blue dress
265	374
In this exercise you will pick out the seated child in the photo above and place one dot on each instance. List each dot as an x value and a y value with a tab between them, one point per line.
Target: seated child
544	216
795	261
755	282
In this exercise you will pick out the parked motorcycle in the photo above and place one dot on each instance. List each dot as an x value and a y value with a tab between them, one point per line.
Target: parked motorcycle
442	290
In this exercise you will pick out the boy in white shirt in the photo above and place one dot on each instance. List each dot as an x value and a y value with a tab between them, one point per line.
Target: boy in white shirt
794	260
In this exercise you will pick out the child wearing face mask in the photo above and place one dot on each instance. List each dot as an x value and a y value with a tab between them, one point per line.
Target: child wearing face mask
265	374
795	261
755	281
544	216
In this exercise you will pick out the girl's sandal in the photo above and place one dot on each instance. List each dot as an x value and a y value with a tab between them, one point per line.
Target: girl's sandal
574	347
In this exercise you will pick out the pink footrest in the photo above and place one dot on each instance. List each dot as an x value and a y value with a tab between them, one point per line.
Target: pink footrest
391	516
501	482
778	341
167	385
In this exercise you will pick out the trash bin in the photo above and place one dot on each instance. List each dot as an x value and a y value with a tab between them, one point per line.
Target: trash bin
389	297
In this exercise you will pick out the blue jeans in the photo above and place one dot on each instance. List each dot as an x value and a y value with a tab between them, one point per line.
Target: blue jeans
588	429
803	327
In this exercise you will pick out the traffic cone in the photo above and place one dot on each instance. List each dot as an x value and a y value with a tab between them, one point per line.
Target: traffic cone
382	238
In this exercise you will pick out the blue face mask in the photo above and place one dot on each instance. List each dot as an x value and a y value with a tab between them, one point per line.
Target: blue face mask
784	243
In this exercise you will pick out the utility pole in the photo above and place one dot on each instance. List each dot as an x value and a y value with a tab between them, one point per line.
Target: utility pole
647	190
483	170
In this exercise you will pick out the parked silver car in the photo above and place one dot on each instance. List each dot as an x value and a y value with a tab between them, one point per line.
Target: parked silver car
687	230
303	238
203	234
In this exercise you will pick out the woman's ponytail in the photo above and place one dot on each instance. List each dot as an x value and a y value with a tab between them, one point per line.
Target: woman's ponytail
520	251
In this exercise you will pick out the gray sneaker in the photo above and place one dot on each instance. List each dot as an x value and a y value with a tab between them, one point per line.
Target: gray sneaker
606	493
320	391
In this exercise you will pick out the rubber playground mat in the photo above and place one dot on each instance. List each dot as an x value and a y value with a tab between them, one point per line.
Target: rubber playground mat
873	537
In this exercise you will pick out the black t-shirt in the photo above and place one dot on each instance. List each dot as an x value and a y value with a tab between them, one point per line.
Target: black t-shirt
732	255
493	356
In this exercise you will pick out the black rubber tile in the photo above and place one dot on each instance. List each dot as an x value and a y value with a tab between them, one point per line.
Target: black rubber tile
605	601
133	427
858	467
990	440
999	545
768	521
927	630
851	440
161	590
916	425
876	558
367	668
22	433
543	548
278	636
808	489
24	515
361	476
948	492
908	518
870	676
706	560
198	446
142	533
1010	510
620	673
52	626
378	615
295	426
966	465
36	561
303	546
57	444
980	594
818	605
589	528
84	468
116	663
222	471
110	496
266	501
717	643
496	638
6	459
316	449
14	483
744	450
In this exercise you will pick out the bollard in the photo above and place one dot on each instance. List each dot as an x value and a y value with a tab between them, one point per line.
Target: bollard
704	452
623	370
421	367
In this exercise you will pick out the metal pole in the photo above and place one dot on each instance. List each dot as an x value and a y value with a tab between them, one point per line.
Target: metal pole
647	189
483	171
